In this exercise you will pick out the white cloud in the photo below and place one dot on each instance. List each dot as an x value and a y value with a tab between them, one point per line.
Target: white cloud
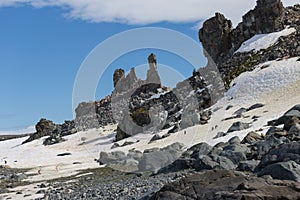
145	11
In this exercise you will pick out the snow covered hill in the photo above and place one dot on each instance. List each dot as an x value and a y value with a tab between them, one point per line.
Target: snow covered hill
274	84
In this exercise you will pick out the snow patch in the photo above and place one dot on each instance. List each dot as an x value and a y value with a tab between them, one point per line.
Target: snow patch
263	41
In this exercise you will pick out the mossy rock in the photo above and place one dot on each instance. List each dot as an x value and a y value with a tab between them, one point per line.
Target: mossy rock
141	116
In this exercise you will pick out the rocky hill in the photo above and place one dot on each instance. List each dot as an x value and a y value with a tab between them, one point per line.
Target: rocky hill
198	140
221	40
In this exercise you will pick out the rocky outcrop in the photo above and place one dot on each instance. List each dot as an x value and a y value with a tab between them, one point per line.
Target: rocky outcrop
56	131
266	17
151	160
43	128
152	107
228	184
118	74
215	36
220	40
152	73
94	114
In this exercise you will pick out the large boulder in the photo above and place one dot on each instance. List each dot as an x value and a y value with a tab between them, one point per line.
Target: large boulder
289	118
159	158
43	128
283	153
238	126
289	170
227	184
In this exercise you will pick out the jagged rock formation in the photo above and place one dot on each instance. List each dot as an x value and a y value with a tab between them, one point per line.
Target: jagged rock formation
47	128
215	36
118	74
221	41
152	107
152	73
218	37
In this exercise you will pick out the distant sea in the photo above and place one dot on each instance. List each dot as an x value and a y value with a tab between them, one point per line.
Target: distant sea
29	129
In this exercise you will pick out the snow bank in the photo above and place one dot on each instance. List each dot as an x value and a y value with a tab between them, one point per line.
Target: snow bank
265	83
263	41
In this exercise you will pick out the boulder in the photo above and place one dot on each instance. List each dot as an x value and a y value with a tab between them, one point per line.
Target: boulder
248	165
43	128
289	118
238	126
155	160
251	138
283	153
227	184
289	170
205	162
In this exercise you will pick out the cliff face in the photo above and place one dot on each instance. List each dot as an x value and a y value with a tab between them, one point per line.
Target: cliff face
220	40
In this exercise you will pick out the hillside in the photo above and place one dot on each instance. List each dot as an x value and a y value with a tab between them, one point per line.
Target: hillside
200	140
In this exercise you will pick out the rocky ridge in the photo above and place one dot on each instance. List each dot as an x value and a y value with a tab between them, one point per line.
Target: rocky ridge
220	40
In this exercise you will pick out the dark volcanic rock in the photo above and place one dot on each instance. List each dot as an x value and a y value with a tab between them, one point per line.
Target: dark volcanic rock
289	170
43	128
289	118
252	137
155	160
225	184
238	126
215	35
283	153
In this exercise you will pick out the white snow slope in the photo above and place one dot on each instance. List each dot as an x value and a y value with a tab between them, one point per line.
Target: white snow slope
277	86
263	41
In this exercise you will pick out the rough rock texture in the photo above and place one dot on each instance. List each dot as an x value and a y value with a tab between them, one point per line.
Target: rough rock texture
56	131
219	39
226	184
43	128
152	107
215	35
268	16
118	74
150	160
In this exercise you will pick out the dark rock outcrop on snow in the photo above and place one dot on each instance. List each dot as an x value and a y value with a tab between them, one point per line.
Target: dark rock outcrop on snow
56	131
220	40
146	106
255	153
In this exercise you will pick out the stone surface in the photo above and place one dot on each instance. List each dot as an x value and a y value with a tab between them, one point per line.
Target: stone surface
238	126
154	161
289	170
118	74
226	184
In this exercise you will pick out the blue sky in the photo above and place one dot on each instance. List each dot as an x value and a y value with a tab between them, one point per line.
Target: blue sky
40	54
43	43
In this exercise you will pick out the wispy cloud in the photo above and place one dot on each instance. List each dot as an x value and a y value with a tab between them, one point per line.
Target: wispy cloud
145	11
